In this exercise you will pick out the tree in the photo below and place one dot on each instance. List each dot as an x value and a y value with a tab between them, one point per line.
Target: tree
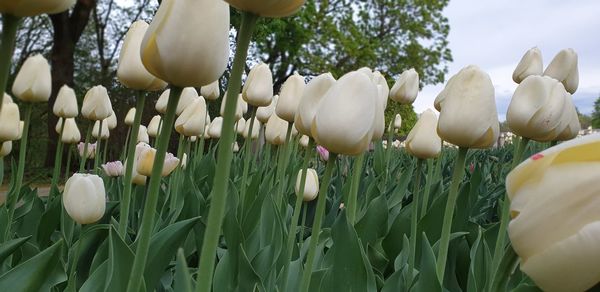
596	114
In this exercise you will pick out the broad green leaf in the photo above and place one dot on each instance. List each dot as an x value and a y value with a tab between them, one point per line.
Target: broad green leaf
183	279
120	263
7	248
427	274
373	225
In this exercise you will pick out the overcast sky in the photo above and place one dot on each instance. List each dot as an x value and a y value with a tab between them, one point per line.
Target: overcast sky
495	34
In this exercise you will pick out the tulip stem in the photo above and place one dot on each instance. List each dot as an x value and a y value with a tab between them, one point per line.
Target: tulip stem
145	231
414	217
98	147
283	161
427	191
388	150
10	25
505	213
357	171
457	176
88	134
58	155
297	208
14	195
224	157
126	201
68	165
247	145
104	152
174	179
316	228
126	146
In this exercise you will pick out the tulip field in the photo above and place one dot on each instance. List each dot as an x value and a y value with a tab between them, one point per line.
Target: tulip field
304	188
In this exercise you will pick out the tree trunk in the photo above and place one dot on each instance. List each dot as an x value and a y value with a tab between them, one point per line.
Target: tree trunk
68	28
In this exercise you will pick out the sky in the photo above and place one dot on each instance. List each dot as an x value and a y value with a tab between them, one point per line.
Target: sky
494	35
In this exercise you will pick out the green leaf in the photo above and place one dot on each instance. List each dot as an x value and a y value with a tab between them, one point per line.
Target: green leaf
120	262
50	221
7	248
32	274
401	187
373	225
183	279
427	274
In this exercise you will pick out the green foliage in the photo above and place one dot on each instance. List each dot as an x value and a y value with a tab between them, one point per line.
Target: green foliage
596	114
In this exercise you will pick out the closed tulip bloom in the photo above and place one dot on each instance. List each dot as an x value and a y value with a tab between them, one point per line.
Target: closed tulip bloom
71	134
143	134
345	117
264	113
34	81
113	169
111	121
564	68
206	135
9	122
211	91
379	122
324	153
188	95
23	8
258	89
192	120
570	122
255	130
275	9
91	150
101	134
6	99
555	211
240	125
406	88
96	104
214	131
21	126
187	43
58	125
130	117
5	148
276	130
184	160
137	178
530	65
312	95
304	141
65	105
84	198
289	97
235	147
131	72
311	186
423	141
153	126
239	109
468	116
384	92
146	163
398	121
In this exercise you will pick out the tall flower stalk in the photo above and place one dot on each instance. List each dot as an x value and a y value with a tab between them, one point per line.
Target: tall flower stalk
353	196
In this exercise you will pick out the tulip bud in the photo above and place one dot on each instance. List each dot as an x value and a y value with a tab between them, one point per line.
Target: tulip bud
146	163
564	68
423	141
468	116
91	150
113	169
312	95
111	121
235	147
398	121
58	125
21	127
9	122
65	105
6	99
188	95
206	135
530	64
5	148
379	122
131	72
184	160
137	178
276	130
554	207
323	152
240	125
187	43
211	91
34	81
289	97
23	8
537	107
274	9
384	91
143	135
258	89
214	131
70	133
100	134
153	126
570	122
130	117
96	104
345	116
192	120
304	141
406	88
84	198
264	113
255	130
239	109
311	186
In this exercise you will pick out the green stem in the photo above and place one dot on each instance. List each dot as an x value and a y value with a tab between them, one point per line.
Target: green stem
98	147
224	157
247	144
284	154
457	176
14	195
126	202
145	231
126	146
88	134
104	152
10	25
72	281
413	218
388	150
353	196
294	223
427	191
174	179
506	268
58	155
316	229
68	165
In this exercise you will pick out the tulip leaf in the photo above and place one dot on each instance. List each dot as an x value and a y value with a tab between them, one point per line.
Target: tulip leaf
477	269
120	262
427	273
34	273
183	279
50	221
401	187
7	248
373	225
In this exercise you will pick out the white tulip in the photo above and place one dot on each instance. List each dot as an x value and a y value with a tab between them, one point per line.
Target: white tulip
34	81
